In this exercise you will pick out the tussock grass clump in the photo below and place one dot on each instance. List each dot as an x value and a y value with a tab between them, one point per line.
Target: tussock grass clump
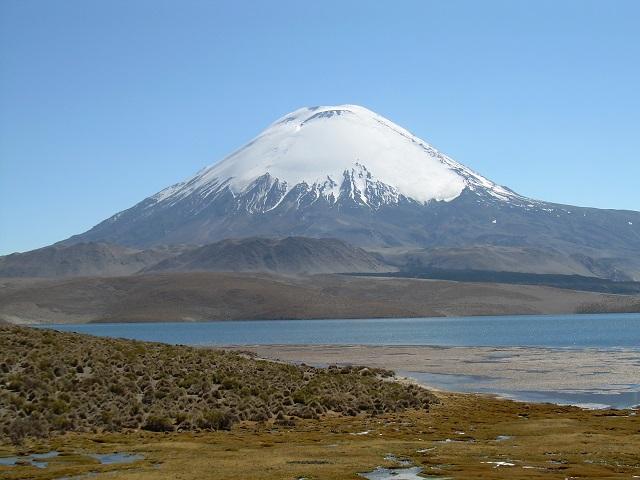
58	382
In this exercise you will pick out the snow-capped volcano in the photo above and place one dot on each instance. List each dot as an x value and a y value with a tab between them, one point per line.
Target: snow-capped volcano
346	172
319	149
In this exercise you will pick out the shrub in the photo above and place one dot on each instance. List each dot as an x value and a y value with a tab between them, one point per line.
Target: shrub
216	420
158	423
21	428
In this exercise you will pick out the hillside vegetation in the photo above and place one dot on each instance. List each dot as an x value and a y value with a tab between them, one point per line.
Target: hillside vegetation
58	382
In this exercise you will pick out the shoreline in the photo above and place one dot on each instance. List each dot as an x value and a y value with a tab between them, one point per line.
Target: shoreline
447	316
591	377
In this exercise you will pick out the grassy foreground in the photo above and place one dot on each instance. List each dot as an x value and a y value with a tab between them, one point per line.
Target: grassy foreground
452	436
545	441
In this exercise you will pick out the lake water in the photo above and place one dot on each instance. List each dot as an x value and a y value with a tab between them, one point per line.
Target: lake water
591	399
558	331
612	331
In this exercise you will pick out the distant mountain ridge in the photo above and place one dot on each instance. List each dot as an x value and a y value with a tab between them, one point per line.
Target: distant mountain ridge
83	259
290	255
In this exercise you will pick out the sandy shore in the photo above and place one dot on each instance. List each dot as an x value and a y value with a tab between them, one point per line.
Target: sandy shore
506	368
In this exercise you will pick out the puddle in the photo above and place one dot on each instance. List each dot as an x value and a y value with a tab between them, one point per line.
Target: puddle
381	473
38	459
11	461
115	458
406	472
34	460
503	438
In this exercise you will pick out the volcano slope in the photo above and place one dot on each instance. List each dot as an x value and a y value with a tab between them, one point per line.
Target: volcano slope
348	173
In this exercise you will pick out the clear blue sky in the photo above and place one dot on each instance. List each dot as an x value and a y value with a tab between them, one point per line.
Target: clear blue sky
105	102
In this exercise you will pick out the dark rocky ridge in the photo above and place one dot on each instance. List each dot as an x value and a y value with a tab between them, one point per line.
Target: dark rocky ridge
287	255
291	255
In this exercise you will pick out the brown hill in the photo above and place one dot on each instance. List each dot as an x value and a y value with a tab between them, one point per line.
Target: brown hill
238	296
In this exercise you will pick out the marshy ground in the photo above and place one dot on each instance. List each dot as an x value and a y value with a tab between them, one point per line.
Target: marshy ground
463	436
293	432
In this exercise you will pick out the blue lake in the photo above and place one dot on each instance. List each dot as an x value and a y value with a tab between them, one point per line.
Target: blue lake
558	331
